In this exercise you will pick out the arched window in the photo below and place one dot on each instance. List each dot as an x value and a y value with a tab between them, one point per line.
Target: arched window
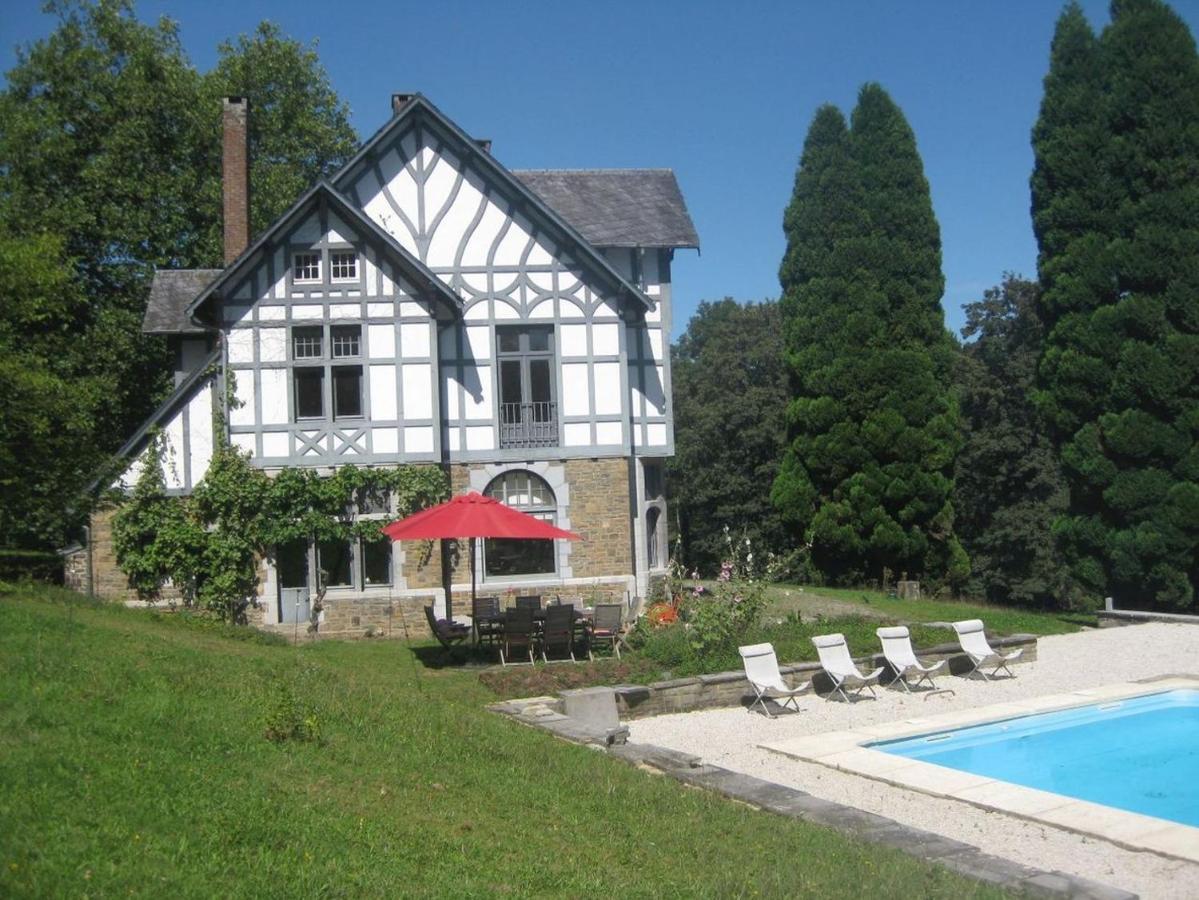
507	558
653	549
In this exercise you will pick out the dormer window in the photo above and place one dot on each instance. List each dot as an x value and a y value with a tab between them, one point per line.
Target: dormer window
306	267
343	265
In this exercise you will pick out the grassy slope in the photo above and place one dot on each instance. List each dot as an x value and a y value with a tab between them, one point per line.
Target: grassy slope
999	619
132	761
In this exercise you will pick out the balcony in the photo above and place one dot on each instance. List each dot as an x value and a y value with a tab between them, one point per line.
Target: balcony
528	425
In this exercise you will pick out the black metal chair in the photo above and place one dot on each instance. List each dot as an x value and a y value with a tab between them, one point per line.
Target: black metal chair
485	612
558	633
532	601
606	628
449	634
518	632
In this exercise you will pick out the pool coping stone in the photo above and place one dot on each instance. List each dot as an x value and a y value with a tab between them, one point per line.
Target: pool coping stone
844	750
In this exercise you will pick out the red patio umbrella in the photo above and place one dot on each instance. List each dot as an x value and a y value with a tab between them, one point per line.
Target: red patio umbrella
473	516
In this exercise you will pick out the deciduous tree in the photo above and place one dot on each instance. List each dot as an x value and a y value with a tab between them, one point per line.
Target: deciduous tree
109	149
730	391
1008	486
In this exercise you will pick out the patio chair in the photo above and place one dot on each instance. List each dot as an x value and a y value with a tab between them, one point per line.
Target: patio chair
449	634
518	632
558	632
606	628
532	602
974	644
762	673
485	612
897	648
840	667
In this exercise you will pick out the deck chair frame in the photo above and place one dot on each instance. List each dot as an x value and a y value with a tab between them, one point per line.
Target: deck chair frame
762	673
839	666
973	638
897	650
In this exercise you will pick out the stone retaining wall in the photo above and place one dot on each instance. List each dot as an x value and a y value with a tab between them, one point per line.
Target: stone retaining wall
1115	617
731	688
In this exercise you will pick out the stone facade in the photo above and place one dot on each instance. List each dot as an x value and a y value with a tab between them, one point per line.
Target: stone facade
75	575
599	510
601	565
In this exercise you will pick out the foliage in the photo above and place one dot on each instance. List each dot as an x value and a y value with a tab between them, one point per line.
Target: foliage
46	427
30	565
1114	192
109	145
299	128
209	544
412	768
290	713
1001	619
873	424
730	393
540	681
717	620
1008	486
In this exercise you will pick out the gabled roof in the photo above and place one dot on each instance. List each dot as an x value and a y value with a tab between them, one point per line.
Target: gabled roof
170	293
414	270
617	207
419	107
181	392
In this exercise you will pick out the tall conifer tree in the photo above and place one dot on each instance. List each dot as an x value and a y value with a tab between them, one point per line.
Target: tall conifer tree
873	426
1115	191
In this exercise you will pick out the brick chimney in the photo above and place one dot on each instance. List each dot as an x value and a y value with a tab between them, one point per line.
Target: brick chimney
235	169
398	101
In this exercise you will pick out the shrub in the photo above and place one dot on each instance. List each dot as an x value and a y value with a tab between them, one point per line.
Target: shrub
290	714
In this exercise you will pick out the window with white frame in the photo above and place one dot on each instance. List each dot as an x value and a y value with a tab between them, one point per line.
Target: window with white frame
347	340
306	267
343	265
307	343
504	558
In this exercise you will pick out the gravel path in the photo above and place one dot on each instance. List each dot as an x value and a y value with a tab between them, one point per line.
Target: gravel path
730	738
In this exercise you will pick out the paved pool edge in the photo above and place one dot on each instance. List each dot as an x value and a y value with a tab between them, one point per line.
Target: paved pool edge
844	751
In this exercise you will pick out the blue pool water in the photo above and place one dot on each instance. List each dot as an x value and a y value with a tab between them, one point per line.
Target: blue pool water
1140	755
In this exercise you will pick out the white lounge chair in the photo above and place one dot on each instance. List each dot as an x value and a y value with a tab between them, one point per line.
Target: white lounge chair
762	673
840	667
974	645
897	648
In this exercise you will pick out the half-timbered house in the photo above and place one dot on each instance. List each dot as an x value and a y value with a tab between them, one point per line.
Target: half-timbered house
427	305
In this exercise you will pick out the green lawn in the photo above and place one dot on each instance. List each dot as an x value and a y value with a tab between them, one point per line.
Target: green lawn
998	619
133	762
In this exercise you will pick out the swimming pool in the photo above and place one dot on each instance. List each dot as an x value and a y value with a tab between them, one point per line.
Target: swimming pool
1139	754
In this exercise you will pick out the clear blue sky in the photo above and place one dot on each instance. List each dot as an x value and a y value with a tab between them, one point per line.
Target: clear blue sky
721	92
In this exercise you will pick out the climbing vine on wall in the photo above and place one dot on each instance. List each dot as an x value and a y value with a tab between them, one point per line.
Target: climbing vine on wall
209	545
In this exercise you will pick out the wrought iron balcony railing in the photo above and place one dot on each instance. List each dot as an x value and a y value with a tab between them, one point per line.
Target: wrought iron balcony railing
529	424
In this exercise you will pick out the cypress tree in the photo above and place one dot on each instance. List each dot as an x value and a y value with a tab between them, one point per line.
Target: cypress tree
1114	197
873	426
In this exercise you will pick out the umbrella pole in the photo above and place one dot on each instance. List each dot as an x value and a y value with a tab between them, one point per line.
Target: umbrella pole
472	576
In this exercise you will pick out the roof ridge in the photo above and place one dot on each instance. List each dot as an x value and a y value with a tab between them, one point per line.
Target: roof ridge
603	170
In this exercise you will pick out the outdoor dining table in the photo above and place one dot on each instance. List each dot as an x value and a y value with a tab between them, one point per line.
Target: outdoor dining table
582	620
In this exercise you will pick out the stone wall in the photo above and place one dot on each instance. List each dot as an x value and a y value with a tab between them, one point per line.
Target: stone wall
74	571
599	510
109	582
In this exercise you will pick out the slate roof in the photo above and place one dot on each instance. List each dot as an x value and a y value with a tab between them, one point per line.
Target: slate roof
617	207
170	293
